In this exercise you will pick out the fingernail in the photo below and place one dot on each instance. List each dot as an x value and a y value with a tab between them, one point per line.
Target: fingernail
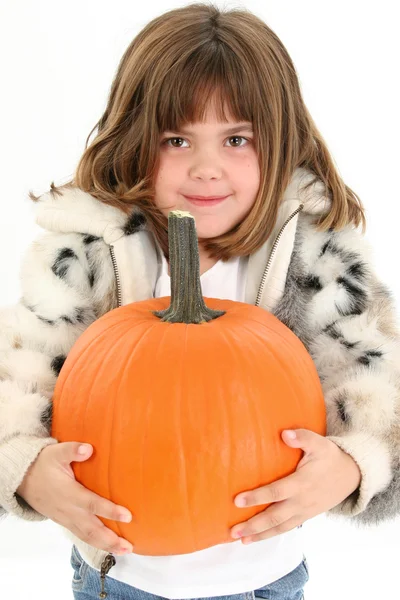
84	449
237	534
125	517
240	501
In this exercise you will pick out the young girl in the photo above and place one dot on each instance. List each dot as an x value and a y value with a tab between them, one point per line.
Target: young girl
205	114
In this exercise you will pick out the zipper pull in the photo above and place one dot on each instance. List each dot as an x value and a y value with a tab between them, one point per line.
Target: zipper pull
106	565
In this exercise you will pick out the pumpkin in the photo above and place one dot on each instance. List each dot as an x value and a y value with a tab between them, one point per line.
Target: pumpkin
184	400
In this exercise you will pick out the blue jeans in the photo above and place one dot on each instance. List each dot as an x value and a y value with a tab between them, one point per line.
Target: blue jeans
86	585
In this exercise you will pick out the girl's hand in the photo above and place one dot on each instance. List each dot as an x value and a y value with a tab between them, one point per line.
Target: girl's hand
50	487
324	477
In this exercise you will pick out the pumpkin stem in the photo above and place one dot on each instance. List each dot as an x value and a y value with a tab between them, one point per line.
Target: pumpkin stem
187	303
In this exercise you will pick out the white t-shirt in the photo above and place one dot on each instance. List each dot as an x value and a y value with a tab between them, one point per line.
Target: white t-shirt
224	569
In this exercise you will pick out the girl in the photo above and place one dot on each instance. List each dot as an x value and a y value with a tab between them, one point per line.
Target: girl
205	114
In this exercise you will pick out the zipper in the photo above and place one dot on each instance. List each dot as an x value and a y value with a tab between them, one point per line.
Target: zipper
106	565
278	237
117	277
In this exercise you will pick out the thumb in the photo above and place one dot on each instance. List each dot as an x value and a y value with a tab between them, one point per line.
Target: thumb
82	451
290	437
307	440
75	451
68	452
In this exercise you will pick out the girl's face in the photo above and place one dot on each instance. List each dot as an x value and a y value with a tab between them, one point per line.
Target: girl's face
208	159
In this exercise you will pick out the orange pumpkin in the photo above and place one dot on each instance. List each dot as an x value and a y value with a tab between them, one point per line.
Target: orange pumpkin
184	403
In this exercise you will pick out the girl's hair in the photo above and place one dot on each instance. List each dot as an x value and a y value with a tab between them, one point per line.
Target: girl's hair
165	79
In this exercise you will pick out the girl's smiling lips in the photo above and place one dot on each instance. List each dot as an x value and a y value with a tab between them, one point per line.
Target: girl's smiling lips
205	200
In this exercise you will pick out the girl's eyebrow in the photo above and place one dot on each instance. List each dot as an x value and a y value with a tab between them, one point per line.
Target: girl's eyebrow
225	131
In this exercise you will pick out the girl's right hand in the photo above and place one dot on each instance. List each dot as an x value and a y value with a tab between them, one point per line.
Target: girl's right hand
50	487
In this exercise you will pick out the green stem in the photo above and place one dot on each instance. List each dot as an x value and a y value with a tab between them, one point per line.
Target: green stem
187	303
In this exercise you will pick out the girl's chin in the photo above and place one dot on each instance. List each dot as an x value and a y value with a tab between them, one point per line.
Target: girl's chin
208	235
209	227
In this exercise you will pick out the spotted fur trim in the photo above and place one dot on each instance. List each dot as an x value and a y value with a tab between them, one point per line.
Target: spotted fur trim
346	318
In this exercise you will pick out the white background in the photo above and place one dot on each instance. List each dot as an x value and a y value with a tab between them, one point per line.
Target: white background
57	63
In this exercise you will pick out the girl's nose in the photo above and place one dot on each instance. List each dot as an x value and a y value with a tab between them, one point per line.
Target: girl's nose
206	169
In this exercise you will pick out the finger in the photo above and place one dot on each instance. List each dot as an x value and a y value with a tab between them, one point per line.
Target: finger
280	529
97	505
93	532
68	452
277	491
270	518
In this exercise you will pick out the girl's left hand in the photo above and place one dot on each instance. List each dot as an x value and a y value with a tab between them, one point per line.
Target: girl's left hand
324	477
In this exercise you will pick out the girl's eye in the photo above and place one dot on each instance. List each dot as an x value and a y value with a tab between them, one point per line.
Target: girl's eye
238	137
174	139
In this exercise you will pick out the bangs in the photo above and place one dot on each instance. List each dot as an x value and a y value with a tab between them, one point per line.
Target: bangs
212	74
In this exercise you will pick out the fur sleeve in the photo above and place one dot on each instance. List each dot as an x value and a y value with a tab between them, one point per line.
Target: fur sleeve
346	318
67	282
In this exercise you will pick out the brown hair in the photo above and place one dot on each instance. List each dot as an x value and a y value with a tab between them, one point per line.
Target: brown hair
167	75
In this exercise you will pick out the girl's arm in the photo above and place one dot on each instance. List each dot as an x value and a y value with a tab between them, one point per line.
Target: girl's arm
67	282
346	318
